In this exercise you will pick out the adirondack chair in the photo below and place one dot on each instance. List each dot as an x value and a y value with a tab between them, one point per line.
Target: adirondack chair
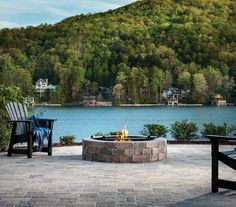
227	157
22	130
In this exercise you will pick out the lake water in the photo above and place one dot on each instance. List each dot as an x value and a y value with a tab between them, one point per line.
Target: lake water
86	121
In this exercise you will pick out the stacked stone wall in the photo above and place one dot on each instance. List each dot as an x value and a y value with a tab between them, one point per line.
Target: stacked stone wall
124	152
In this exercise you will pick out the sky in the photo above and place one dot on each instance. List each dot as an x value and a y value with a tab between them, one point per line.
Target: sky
21	13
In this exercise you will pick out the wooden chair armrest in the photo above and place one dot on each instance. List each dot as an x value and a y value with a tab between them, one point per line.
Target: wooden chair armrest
50	119
16	121
50	122
219	137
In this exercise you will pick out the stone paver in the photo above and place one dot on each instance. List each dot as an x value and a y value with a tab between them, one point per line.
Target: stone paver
64	179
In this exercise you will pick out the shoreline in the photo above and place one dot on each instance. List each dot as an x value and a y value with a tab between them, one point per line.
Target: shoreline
171	142
158	105
44	104
129	105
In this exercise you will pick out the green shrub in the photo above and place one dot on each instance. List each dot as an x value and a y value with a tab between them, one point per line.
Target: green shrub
154	130
210	128
118	133
101	134
5	134
67	139
40	112
7	94
232	129
184	130
115	133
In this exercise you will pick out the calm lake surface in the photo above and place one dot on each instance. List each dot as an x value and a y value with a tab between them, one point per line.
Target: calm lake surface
86	121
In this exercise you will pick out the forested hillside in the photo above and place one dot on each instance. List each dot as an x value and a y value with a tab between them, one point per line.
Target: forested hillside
136	51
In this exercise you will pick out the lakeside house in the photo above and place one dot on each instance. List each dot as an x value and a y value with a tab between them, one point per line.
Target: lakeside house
91	101
42	85
29	101
174	95
218	100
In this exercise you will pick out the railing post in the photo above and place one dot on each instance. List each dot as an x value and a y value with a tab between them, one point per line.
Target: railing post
13	133
50	139
30	141
215	167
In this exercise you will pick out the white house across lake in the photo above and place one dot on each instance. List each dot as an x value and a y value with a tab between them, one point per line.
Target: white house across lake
42	86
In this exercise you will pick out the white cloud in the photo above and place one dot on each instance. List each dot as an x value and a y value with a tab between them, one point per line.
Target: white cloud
58	12
8	24
65	6
29	10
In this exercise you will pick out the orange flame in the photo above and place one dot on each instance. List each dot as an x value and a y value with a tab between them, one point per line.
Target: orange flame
124	134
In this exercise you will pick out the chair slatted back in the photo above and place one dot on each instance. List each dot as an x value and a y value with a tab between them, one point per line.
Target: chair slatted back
18	111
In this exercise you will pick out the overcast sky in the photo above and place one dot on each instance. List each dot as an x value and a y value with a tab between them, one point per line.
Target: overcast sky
18	13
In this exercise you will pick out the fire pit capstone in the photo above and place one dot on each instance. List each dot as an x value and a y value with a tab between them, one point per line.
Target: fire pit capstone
136	149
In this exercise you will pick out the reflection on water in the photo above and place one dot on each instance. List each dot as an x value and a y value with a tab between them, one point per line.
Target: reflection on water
86	121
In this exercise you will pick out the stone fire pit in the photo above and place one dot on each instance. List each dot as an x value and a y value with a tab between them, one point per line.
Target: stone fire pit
132	151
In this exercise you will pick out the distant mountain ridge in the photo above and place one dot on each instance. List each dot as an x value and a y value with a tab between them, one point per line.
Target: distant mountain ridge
141	48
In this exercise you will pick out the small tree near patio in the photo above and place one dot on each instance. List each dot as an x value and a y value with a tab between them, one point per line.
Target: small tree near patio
184	130
7	94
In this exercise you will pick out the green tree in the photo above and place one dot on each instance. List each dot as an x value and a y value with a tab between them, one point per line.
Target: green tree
200	88
94	87
72	79
184	80
168	79
133	85
122	78
214	79
118	92
228	84
144	35
18	77
157	82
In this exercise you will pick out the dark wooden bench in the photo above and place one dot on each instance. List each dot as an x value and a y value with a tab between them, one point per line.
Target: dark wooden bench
227	157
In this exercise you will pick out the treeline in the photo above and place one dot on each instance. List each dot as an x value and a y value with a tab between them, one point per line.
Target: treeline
136	51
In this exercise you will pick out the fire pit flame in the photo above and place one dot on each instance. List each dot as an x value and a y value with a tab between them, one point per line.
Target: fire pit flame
124	134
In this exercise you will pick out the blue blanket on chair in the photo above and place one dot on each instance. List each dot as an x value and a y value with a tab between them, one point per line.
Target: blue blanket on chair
41	130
